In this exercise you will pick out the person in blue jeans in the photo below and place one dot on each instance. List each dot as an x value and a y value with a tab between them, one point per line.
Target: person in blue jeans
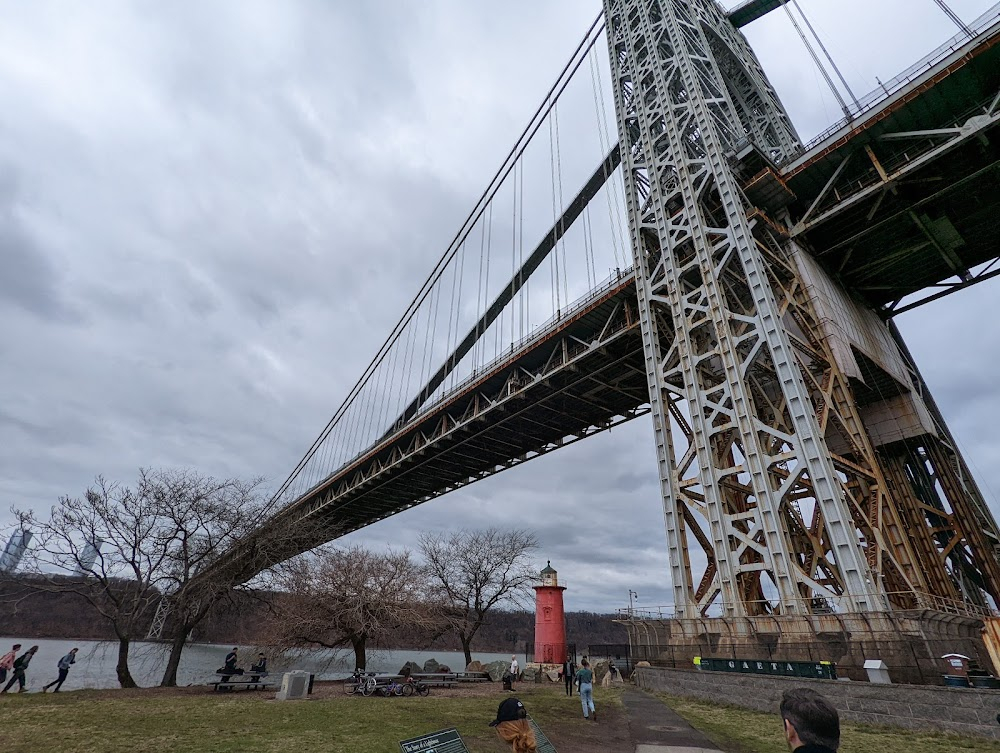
585	681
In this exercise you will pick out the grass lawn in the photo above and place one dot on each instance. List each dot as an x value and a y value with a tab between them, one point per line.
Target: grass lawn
154	721
742	731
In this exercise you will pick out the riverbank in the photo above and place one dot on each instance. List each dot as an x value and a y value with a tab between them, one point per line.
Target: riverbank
95	663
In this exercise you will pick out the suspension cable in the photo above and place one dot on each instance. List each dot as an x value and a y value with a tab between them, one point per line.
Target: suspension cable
826	52
822	69
954	17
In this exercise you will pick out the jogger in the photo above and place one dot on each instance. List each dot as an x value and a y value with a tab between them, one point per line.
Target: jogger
63	666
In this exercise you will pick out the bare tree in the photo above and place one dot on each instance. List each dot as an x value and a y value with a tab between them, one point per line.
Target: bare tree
352	596
123	549
207	516
474	571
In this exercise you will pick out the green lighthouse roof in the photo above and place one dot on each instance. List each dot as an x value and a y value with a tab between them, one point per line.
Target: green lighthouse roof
548	568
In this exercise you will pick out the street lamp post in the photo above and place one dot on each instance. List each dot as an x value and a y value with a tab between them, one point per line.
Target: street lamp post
631	594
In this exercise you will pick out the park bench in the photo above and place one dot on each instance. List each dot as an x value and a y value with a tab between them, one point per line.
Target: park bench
472	676
436	679
242	681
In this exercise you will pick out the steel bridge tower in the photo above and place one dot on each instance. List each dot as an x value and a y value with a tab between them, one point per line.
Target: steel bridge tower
793	499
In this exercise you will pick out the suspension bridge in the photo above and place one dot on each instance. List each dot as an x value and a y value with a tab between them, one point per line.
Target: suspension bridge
660	241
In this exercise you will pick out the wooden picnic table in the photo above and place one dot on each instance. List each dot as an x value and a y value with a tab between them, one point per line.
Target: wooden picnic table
259	681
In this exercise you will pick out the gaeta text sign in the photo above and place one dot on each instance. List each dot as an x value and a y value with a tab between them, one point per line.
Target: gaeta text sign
444	741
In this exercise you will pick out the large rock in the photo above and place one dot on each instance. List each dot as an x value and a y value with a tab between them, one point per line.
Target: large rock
431	665
600	668
529	674
443	669
412	666
553	675
475	666
496	670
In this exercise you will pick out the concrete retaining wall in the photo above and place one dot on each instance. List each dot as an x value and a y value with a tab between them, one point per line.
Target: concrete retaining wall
923	707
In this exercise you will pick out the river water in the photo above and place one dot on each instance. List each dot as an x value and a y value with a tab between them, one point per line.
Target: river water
95	662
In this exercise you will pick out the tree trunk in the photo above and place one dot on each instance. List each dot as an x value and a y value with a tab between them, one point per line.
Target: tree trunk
466	647
176	647
358	642
124	676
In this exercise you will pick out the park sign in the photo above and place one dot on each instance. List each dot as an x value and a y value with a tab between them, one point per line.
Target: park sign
821	670
443	741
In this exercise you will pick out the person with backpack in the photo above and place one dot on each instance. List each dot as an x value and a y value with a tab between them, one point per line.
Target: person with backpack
63	667
20	667
7	662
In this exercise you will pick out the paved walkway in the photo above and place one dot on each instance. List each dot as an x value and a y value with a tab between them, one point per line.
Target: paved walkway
656	728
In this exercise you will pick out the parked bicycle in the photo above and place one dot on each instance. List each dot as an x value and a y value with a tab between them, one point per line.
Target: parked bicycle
411	686
360	683
393	688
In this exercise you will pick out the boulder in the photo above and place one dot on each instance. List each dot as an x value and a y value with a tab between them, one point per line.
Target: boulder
475	666
412	666
553	675
443	669
496	670
529	674
600	668
431	665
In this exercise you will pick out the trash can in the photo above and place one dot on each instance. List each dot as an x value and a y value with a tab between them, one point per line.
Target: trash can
508	682
312	679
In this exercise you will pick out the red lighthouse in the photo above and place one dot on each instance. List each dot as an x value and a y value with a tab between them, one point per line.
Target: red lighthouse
550	623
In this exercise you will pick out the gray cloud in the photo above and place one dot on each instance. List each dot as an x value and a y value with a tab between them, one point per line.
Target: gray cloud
212	214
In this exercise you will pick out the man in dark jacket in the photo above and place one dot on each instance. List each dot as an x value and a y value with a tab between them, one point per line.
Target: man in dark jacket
569	674
812	724
20	667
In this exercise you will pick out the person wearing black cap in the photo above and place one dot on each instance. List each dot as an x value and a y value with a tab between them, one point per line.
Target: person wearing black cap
512	726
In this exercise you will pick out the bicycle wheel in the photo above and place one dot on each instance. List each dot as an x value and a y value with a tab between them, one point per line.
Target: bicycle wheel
369	687
423	689
408	689
397	690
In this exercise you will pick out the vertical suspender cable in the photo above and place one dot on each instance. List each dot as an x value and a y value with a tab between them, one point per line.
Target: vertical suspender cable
822	69
825	52
954	17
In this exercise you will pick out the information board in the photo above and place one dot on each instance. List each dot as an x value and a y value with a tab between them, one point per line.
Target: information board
442	741
822	670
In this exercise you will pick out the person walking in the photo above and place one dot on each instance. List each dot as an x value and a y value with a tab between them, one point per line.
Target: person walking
7	662
585	682
20	667
63	667
569	674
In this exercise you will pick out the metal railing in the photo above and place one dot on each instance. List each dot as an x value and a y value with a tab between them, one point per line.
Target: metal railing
870	101
900	601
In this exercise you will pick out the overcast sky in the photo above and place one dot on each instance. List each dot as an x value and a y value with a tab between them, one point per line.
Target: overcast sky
211	215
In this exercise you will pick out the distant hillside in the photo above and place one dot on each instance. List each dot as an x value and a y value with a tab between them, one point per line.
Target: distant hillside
26	611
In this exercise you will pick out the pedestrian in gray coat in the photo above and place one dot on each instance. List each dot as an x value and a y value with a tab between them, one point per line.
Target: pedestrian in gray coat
63	667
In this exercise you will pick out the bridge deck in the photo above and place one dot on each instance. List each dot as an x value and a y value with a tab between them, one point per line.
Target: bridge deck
905	195
896	200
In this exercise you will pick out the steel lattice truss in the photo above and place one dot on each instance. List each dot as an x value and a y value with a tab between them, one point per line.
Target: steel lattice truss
744	466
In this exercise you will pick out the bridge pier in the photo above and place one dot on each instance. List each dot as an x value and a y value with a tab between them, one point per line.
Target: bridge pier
910	642
808	481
